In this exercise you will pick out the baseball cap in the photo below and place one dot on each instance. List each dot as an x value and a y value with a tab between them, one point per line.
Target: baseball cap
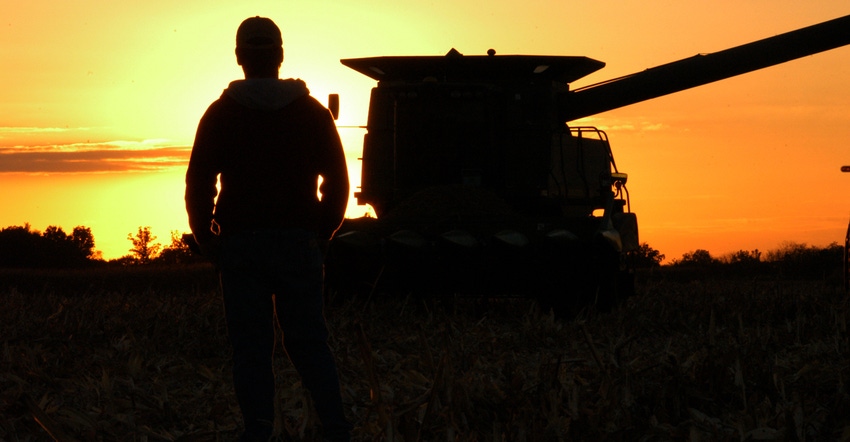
258	31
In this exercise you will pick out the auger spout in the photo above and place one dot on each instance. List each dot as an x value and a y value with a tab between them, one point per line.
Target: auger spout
703	69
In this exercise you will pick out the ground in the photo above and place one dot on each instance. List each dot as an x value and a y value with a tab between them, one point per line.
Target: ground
141	354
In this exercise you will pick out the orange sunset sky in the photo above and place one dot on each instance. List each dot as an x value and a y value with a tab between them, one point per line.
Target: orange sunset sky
100	100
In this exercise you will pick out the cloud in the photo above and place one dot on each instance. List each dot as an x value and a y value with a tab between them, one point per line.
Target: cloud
638	124
113	156
30	130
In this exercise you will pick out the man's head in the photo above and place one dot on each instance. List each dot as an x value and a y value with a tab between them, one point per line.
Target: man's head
259	48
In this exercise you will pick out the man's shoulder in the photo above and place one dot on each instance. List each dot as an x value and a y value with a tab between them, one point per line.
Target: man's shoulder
223	106
303	108
310	102
307	109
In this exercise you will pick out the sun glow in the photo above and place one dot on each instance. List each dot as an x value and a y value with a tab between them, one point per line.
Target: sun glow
100	102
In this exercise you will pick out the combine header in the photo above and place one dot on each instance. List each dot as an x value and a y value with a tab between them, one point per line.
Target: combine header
481	187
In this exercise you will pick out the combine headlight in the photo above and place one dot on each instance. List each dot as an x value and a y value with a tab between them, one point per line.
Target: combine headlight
619	178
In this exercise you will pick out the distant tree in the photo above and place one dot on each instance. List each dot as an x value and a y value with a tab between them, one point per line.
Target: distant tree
696	258
55	234
83	241
804	261
57	250
144	248
177	252
789	251
20	246
744	257
646	257
126	260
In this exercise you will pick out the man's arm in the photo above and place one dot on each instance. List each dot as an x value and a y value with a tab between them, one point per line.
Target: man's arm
201	179
335	185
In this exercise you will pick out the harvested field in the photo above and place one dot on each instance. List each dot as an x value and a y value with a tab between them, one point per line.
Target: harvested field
140	354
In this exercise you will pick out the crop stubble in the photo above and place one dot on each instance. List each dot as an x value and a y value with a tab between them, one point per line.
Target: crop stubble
142	354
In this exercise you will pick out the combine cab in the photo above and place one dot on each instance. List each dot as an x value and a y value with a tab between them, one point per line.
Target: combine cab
480	187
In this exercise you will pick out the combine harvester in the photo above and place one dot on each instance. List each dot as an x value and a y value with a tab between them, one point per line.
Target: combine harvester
481	187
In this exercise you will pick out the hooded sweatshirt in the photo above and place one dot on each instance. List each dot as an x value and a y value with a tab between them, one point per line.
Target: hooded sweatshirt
270	142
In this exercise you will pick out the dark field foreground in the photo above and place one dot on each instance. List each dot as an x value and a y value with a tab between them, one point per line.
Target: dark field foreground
141	355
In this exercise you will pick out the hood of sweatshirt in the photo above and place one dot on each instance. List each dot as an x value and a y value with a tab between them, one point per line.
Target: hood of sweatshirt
267	94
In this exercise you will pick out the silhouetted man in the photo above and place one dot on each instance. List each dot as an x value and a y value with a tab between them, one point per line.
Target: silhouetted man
270	141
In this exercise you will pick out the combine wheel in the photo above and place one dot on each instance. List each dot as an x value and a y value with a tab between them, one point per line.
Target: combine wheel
457	262
578	277
353	262
406	259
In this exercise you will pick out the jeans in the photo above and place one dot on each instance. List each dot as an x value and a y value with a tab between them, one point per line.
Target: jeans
255	265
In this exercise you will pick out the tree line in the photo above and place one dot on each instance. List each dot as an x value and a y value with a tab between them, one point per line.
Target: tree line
20	246
789	260
25	247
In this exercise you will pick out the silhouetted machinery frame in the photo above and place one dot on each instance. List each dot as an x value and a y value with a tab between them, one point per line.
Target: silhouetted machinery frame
480	185
846	248
847	259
